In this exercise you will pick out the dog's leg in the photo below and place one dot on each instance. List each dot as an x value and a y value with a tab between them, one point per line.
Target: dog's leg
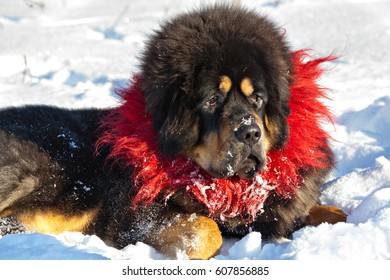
173	233
325	214
22	169
35	190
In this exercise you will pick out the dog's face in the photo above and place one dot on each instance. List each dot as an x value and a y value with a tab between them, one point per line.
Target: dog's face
222	100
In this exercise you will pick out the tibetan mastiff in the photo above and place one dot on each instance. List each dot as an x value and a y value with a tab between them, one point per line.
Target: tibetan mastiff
216	84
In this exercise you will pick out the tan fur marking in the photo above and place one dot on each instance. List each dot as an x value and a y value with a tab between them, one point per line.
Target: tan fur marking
6	213
206	153
273	130
266	121
51	221
209	151
225	84
247	87
265	138
325	214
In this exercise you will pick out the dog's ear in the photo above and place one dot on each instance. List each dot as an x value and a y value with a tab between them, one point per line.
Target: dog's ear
174	121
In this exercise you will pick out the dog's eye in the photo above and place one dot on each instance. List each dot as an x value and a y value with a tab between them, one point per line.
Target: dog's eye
213	101
256	99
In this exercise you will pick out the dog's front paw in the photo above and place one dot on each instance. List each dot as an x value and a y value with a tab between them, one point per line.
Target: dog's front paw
194	236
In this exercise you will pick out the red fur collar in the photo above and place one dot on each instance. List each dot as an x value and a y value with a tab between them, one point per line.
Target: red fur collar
128	130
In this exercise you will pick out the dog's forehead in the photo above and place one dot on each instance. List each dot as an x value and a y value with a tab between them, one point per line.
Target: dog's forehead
246	84
243	74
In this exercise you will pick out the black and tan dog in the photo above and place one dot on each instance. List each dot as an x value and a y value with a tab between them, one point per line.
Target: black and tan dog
201	74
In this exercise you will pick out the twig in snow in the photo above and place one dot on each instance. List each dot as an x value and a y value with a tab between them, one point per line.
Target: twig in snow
26	72
119	17
33	4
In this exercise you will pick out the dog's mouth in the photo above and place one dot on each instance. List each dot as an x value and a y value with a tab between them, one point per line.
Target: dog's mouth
246	169
250	167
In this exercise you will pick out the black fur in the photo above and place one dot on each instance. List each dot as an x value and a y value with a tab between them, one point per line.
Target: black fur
48	160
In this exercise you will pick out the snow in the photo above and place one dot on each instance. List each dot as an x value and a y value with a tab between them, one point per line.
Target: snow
72	53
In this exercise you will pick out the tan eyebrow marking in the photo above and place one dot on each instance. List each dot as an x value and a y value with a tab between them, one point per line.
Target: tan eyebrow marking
247	87
225	84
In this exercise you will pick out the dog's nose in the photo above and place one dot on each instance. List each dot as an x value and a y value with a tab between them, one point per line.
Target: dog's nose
249	134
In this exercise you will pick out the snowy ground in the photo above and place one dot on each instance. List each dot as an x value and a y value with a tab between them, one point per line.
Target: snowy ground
70	53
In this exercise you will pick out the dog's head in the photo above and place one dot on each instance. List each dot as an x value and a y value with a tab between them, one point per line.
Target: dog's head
216	83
